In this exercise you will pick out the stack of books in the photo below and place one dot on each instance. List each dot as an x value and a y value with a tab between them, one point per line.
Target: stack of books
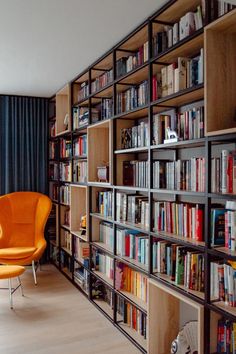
181	265
135	173
65	171
84	91
223	285
106	234
188	125
132	98
127	64
102	80
171	35
186	175
80	146
220	7
66	218
81	117
80	171
52	150
133	209
53	191
132	317
183	74
105	264
131	281
134	137
65	194
81	251
223	173
65	148
226	337
53	171
104	203
67	241
182	219
132	244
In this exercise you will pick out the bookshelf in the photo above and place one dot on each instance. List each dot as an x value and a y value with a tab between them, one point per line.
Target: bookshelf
117	122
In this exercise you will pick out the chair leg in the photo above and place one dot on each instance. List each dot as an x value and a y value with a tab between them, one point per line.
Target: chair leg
10	293
21	287
34	272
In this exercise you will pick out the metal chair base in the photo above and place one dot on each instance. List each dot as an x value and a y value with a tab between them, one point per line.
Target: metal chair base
12	290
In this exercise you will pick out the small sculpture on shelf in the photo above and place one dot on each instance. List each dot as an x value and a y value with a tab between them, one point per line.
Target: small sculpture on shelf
66	121
103	173
172	136
83	223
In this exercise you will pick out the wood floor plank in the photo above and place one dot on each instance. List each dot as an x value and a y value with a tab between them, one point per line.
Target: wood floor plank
55	318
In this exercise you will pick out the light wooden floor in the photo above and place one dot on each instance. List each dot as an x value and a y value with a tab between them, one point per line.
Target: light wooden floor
54	317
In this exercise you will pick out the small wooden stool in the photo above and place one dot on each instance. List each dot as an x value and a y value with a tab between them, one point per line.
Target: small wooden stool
8	272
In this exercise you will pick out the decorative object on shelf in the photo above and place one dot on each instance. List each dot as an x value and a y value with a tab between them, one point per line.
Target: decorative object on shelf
83	223
172	136
103	173
66	121
186	341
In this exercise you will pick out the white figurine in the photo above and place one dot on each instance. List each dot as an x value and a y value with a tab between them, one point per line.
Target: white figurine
172	136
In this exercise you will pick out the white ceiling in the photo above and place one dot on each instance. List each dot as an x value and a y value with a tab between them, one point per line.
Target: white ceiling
46	43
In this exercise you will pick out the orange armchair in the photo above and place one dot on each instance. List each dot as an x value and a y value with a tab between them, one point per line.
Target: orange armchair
23	216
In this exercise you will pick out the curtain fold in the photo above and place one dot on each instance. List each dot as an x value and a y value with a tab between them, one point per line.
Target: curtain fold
23	144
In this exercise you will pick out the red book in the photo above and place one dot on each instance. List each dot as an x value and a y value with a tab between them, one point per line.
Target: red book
127	245
154	88
199	223
230	174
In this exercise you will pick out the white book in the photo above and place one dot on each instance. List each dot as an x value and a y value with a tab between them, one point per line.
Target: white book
175	33
224	165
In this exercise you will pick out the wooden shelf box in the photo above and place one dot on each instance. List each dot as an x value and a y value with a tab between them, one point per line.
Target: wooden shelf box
220	75
63	108
99	149
79	208
168	311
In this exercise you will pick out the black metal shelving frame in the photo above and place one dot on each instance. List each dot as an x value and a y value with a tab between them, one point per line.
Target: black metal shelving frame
206	143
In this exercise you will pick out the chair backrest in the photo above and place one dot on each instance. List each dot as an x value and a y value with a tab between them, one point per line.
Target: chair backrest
23	216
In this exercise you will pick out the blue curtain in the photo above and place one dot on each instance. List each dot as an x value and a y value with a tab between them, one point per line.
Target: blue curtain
23	144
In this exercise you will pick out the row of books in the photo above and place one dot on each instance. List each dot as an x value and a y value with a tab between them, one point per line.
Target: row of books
53	191
131	62
105	264
102	80
136	136
188	125
132	244
81	250
182	219
223	284
223	225
52	150
81	277
132	98
65	148
135	173
80	145
104	203
67	241
181	265
129	280
171	35
183	74
223	175
106	234
132	317
80	117
133	209
65	171
53	171
220	7
226	337
65	194
80	171
186	175
84	91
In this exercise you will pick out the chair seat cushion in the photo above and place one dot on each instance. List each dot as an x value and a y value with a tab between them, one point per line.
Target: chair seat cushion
16	252
12	271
